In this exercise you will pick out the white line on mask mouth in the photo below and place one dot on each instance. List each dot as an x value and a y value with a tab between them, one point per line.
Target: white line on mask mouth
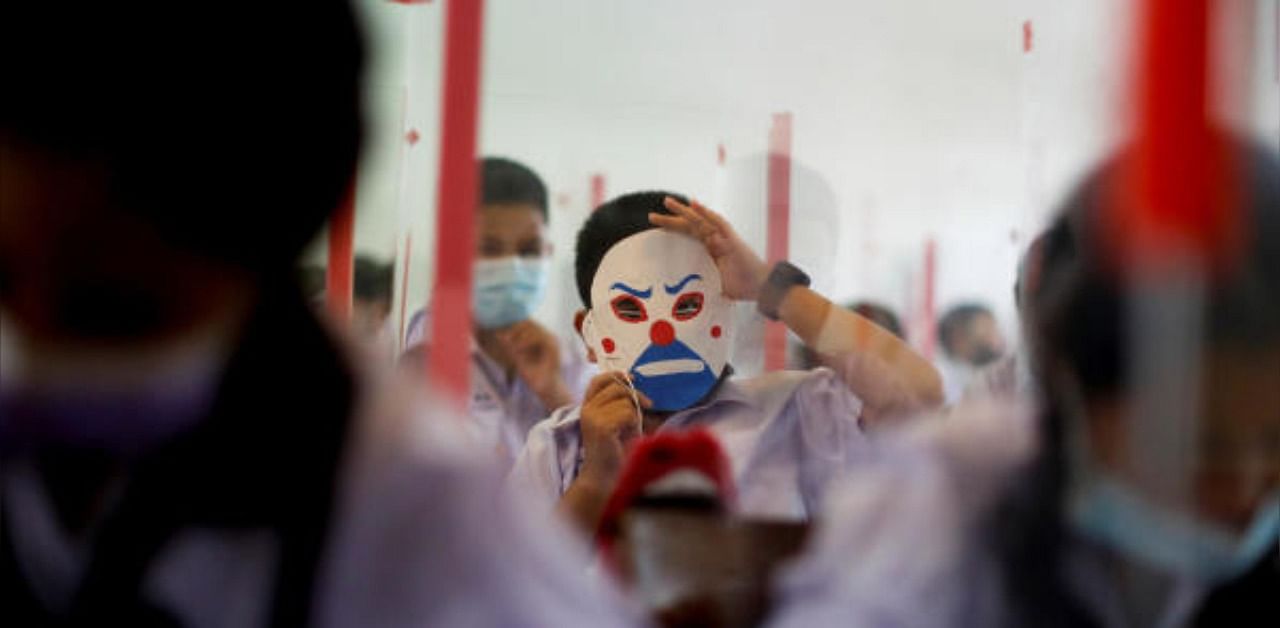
670	367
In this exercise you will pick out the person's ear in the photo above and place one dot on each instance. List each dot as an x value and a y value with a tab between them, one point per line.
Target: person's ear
578	318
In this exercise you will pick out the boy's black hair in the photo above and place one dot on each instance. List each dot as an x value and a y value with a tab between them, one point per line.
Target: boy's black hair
609	224
505	181
234	133
881	315
956	320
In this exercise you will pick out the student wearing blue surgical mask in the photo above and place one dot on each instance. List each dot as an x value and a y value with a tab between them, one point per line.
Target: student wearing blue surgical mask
1145	489
521	370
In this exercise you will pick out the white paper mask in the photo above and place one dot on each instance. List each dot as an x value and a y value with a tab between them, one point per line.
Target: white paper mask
659	314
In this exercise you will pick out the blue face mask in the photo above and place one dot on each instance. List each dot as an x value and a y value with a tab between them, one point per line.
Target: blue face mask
1107	511
507	290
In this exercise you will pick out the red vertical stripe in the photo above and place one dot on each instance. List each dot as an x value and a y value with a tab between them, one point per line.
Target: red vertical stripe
929	306
338	276
1172	197
597	190
404	285
779	227
455	206
1027	36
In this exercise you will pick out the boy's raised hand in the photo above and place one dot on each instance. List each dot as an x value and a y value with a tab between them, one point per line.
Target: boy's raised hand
741	270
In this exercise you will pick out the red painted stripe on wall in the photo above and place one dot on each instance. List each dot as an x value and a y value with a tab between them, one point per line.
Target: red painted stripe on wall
597	190
404	286
779	227
1172	199
337	293
456	199
929	306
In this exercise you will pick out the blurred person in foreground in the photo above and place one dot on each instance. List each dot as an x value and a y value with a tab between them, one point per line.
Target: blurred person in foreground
520	370
1109	506
1011	376
181	443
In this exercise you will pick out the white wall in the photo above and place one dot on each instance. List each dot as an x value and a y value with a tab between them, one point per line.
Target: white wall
914	119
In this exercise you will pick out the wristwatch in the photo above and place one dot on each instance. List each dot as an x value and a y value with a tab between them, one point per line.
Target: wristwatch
782	279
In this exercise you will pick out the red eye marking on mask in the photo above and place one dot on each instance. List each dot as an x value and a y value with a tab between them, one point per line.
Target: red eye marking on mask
687	306
715	331
608	345
629	309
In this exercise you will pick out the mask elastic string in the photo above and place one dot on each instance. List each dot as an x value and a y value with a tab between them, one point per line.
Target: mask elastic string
625	380
622	377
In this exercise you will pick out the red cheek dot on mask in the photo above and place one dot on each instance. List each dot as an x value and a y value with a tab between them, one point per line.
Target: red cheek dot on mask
608	345
715	331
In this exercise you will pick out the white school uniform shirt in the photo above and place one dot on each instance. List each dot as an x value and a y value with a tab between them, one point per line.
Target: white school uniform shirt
899	544
787	436
500	413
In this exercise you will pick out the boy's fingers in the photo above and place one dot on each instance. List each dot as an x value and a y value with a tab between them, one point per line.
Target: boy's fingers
596	385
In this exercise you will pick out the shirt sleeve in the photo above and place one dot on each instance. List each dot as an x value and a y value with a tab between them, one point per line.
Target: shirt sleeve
576	370
831	441
536	477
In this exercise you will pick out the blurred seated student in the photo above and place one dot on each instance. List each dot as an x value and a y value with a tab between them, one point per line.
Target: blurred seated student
1012	375
371	287
520	370
371	297
657	276
877	313
1111	507
371	291
311	277
970	340
180	441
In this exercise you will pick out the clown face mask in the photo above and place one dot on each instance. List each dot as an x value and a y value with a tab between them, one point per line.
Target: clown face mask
659	314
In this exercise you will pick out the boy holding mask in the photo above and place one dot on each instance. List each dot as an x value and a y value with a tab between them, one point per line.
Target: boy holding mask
658	275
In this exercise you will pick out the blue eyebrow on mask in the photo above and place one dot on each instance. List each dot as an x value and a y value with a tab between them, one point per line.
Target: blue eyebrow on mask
680	286
643	294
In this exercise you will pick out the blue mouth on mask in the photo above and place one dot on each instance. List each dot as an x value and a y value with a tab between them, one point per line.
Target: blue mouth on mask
672	391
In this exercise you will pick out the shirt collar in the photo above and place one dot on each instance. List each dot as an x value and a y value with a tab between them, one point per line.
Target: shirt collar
727	392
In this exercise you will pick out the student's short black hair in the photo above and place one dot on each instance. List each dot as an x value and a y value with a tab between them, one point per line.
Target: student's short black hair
956	321
311	278
372	279
507	182
608	225
879	314
233	133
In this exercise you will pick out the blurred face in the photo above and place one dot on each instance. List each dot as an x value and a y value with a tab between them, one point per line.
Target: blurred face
75	268
368	317
511	230
511	270
1240	435
1238	459
983	344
